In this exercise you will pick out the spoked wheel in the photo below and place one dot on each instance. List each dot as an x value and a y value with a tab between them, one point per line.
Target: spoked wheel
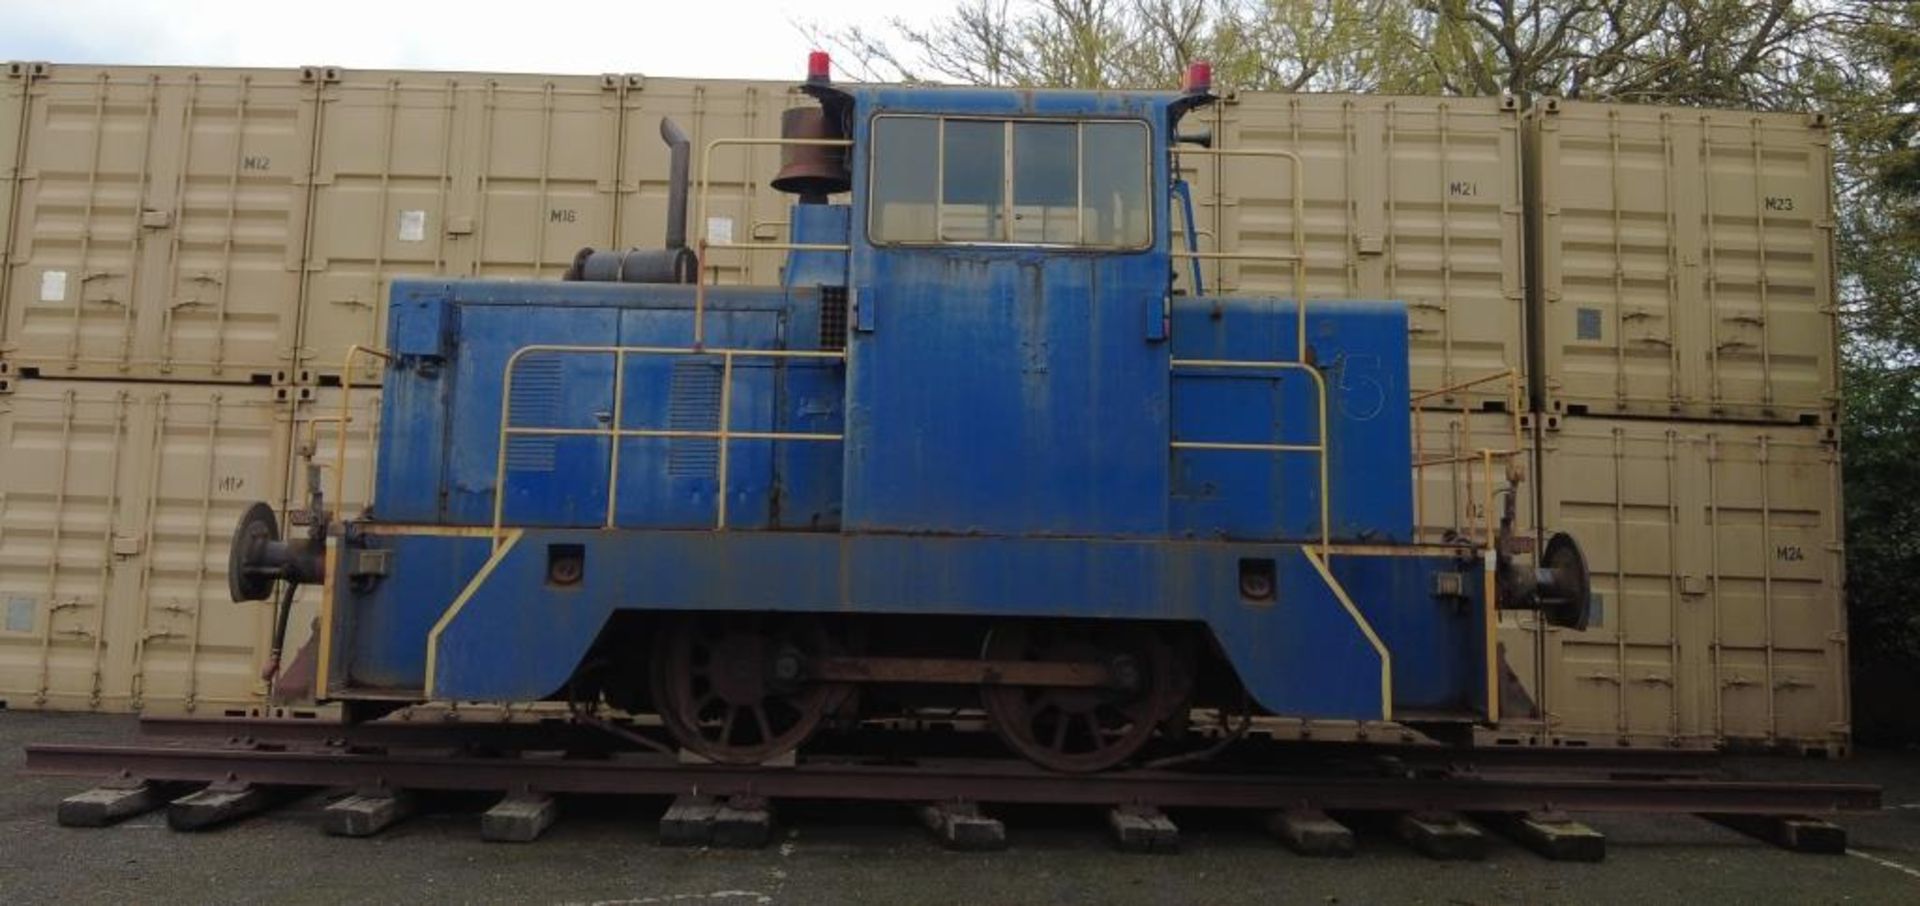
1083	729
731	687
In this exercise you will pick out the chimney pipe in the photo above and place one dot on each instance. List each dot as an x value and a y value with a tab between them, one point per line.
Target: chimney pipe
676	140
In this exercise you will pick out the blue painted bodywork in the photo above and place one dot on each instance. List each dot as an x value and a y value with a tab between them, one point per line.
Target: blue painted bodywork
1009	415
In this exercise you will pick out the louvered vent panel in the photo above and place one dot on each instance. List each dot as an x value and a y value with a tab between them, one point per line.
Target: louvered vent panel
693	404
536	397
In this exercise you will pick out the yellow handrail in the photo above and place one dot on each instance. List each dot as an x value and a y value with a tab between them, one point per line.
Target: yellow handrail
1318	448
1489	568
1298	207
705	243
1516	446
346	414
723	435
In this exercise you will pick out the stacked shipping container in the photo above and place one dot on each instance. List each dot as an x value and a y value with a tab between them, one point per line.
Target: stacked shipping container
190	253
1684	367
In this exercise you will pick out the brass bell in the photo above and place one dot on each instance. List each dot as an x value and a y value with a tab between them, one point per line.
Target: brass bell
811	171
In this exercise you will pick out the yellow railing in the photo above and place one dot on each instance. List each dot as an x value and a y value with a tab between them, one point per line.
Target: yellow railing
1478	526
346	416
706	243
1482	530
722	435
1318	448
1295	259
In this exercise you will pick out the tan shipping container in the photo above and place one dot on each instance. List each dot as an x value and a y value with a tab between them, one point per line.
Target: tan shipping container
450	174
1684	262
159	223
120	499
1715	553
1415	199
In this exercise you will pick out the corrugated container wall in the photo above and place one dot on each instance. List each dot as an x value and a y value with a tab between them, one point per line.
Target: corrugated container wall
1714	549
1684	262
461	174
159	223
119	499
1416	199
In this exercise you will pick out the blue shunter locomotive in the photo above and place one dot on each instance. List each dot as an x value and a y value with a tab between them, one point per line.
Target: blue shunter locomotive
975	452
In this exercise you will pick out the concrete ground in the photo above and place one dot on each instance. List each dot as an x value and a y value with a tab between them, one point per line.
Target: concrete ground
604	852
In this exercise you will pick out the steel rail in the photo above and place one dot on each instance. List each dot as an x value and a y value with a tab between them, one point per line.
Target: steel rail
980	781
558	733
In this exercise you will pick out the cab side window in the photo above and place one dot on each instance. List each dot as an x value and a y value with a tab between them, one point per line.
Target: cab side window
976	181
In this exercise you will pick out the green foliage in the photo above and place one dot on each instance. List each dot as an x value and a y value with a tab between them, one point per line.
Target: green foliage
1882	449
1876	99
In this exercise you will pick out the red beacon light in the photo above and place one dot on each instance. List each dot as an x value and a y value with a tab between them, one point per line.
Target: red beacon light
1199	77
819	68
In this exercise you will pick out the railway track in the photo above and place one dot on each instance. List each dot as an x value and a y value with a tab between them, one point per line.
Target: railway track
208	772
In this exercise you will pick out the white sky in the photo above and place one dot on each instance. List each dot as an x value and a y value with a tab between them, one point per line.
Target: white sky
707	38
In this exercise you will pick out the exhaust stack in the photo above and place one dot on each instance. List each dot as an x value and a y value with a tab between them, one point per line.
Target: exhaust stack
674	264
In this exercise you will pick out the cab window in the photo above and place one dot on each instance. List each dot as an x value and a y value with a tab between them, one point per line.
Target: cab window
1022	182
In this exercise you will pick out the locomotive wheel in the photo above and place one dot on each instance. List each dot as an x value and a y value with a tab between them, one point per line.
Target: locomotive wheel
1081	730
731	688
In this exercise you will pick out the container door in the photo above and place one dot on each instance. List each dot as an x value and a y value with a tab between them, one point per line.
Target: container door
163	224
205	454
1777	665
1623	489
64	534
